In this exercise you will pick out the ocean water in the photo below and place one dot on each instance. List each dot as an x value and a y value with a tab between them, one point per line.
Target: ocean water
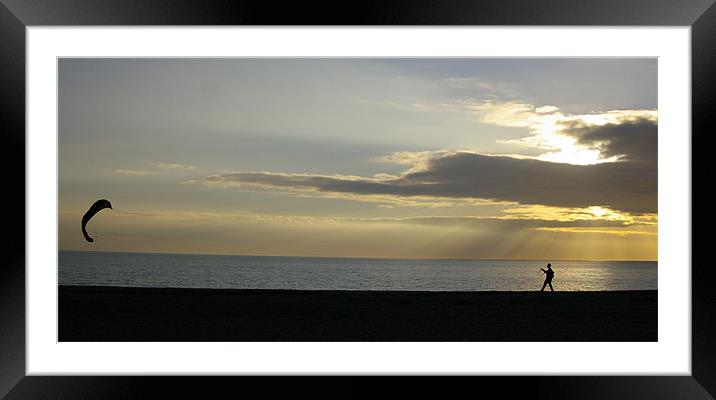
314	273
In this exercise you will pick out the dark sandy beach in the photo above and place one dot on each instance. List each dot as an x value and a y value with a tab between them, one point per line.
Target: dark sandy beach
138	314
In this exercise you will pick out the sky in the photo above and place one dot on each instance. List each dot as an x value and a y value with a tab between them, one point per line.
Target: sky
480	158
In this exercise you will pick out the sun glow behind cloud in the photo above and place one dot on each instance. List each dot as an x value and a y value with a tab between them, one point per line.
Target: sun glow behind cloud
593	213
617	232
545	125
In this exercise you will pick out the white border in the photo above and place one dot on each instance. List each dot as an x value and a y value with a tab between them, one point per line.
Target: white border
670	355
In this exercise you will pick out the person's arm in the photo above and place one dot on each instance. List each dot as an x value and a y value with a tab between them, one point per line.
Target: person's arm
543	270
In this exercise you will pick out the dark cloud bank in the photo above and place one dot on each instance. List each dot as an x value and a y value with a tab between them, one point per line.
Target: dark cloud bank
631	141
628	185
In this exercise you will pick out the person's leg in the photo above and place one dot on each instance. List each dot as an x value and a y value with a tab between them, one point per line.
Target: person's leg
550	286
543	286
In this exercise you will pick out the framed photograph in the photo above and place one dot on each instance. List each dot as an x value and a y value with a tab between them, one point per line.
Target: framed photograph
447	189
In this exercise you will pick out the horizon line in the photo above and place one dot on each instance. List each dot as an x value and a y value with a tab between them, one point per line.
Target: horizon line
369	258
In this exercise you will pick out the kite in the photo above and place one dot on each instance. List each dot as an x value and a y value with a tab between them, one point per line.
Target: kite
98	206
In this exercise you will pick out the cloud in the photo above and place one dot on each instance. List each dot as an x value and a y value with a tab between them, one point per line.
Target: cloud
417	160
504	223
569	138
174	167
132	172
471	83
546	110
627	186
510	113
159	168
561	137
633	140
404	104
625	232
593	213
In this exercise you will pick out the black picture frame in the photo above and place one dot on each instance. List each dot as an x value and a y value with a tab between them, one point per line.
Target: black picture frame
16	15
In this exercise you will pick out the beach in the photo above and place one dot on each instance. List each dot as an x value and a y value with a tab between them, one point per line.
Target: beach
95	313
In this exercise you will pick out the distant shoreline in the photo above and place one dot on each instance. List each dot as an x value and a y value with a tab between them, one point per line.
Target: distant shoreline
100	313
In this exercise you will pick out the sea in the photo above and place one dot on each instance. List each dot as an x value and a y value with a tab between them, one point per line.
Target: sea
155	270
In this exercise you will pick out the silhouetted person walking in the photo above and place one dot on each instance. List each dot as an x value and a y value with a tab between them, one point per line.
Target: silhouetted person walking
549	272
